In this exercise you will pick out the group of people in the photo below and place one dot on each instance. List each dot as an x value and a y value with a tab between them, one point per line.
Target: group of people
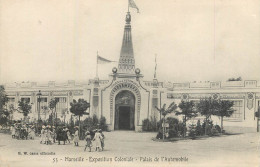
51	134
97	137
22	131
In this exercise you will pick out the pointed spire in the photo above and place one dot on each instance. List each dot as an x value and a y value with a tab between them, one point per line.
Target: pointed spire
126	61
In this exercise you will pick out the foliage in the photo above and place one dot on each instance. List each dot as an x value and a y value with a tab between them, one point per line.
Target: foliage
235	79
150	125
24	107
79	108
192	131
3	112
224	109
53	103
188	110
103	124
207	107
199	129
163	111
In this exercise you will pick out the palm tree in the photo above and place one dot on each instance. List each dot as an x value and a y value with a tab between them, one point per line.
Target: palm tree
164	112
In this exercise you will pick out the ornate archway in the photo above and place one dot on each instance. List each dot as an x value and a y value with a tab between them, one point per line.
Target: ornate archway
124	111
132	91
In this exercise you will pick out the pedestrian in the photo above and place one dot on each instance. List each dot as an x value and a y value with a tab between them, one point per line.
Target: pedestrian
68	135
54	134
97	139
32	133
45	135
42	134
102	139
13	131
48	135
76	137
88	141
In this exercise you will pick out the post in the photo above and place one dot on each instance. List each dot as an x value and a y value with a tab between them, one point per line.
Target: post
258	119
97	66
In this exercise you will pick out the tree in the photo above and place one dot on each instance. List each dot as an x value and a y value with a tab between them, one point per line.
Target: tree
24	108
3	110
163	111
224	109
207	107
188	110
79	108
52	105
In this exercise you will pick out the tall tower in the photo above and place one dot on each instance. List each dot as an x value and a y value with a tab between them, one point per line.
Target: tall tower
127	61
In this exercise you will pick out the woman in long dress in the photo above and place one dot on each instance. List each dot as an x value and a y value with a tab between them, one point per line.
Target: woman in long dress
32	133
13	131
42	134
76	137
68	135
97	139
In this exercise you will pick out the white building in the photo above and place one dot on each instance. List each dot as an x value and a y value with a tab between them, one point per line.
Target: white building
125	99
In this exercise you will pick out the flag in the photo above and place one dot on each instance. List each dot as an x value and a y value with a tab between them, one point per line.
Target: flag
132	4
101	60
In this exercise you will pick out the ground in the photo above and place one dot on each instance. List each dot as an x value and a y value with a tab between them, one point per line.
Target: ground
233	150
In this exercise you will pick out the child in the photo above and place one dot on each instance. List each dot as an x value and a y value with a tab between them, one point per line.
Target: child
102	139
88	140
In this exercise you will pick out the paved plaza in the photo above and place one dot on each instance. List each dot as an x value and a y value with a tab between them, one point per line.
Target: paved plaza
128	148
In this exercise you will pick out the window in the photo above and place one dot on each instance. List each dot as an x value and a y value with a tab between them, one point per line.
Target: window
25	99
238	107
61	105
12	99
43	99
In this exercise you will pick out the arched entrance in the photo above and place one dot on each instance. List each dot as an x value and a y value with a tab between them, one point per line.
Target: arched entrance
125	110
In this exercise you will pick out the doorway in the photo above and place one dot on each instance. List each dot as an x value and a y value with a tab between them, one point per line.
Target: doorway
124	118
124	111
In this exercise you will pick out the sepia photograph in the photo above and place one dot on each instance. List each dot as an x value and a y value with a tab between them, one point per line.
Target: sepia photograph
130	83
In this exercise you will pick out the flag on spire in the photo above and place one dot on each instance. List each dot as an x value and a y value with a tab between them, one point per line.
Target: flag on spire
132	4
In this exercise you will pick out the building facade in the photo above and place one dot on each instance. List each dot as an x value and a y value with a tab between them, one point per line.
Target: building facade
126	99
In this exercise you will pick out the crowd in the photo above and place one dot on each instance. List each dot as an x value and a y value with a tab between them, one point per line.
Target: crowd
50	135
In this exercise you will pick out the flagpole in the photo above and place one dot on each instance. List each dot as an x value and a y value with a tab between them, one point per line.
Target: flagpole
97	66
155	67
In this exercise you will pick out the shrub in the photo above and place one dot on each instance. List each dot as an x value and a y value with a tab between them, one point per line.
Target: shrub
146	125
149	125
192	131
199	129
103	124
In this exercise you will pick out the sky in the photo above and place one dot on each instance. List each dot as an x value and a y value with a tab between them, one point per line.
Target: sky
54	40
